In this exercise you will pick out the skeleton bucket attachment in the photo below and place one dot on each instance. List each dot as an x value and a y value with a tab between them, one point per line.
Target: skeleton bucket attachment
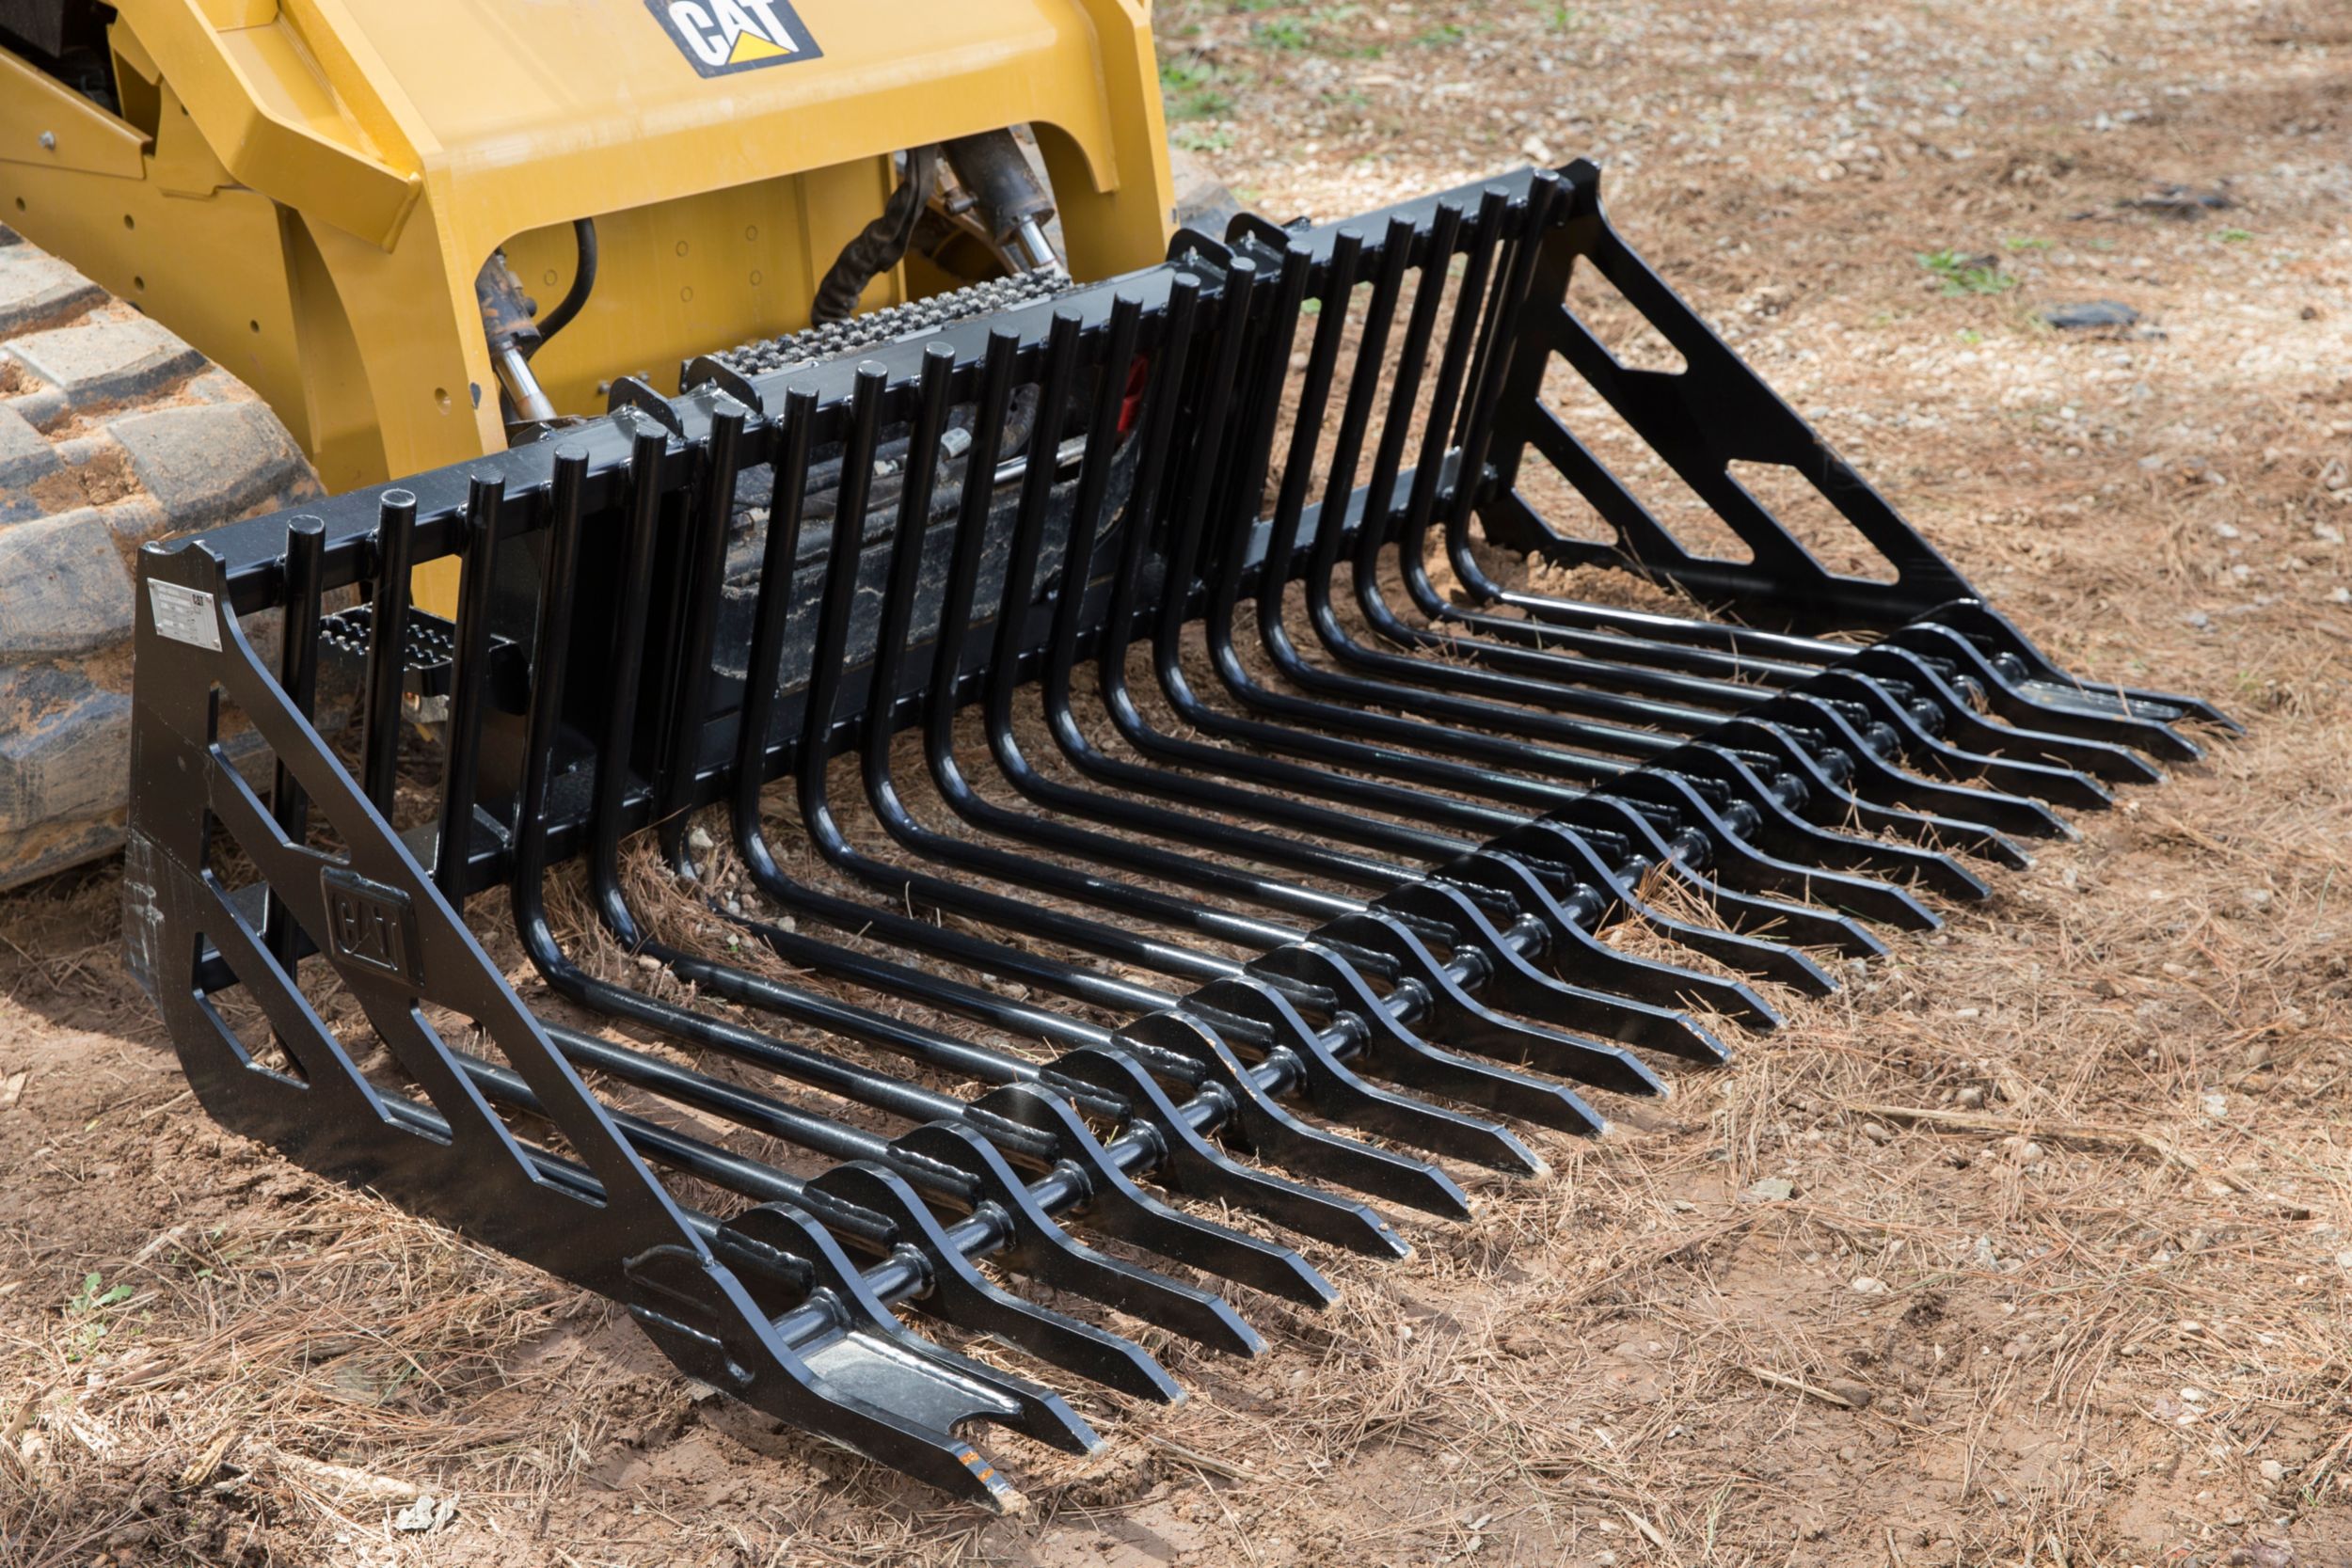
1124	740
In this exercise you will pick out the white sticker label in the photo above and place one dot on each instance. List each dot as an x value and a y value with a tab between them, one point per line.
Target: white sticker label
185	614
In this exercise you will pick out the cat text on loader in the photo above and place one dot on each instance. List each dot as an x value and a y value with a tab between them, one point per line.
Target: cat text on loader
252	250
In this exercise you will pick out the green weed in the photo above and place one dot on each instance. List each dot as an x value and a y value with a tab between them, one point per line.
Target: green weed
1962	274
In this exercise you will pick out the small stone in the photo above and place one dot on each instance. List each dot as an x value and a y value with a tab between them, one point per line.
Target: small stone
2091	314
1772	1189
427	1513
2029	1153
1877	1132
700	842
2272	1471
2199	619
648	962
1970	1097
1863	1285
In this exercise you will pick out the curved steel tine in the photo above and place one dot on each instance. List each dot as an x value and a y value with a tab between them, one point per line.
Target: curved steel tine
1831	806
1926	728
1190	1050
1753	864
1784	825
1515	984
878	1358
961	1294
1806	923
1336	1091
1764	960
1193	1166
1875	779
1398	1054
1940	679
763	1371
1117	1206
1462	1021
1575	950
1039	1246
2008	697
1990	626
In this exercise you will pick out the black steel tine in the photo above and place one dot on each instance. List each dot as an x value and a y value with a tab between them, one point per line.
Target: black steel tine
642	528
551	648
1768	961
1396	246
1117	1206
1984	625
763	667
1038	1247
1518	984
2007	694
778	1222
452	861
705	584
1830	804
1247	1008
1401	1057
1781	828
961	1294
1463	1023
1877	781
1575	951
1452	362
971	547
1191	1050
953	1388
1379	527
1956	695
920	1442
1193	1166
1688	857
1347	1223
395	563
298	677
937	1156
686	1086
1924	727
1744	855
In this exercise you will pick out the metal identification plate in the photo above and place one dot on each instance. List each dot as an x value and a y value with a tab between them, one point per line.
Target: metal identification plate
185	614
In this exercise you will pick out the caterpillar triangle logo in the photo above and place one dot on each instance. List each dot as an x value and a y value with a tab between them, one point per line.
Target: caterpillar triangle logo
718	37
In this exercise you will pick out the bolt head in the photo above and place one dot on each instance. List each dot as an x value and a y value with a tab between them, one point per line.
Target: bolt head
49	141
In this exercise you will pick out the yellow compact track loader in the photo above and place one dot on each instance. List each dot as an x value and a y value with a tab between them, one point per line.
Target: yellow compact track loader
750	676
354	210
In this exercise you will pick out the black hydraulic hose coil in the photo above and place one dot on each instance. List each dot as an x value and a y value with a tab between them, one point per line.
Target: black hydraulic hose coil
881	244
583	281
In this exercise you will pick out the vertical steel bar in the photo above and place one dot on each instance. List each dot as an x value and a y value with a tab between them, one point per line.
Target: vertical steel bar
705	585
298	673
387	646
642	524
550	650
469	679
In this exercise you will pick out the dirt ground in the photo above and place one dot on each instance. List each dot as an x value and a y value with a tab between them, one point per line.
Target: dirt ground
2050	1258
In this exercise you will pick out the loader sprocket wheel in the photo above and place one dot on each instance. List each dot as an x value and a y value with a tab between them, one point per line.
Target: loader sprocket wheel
113	432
